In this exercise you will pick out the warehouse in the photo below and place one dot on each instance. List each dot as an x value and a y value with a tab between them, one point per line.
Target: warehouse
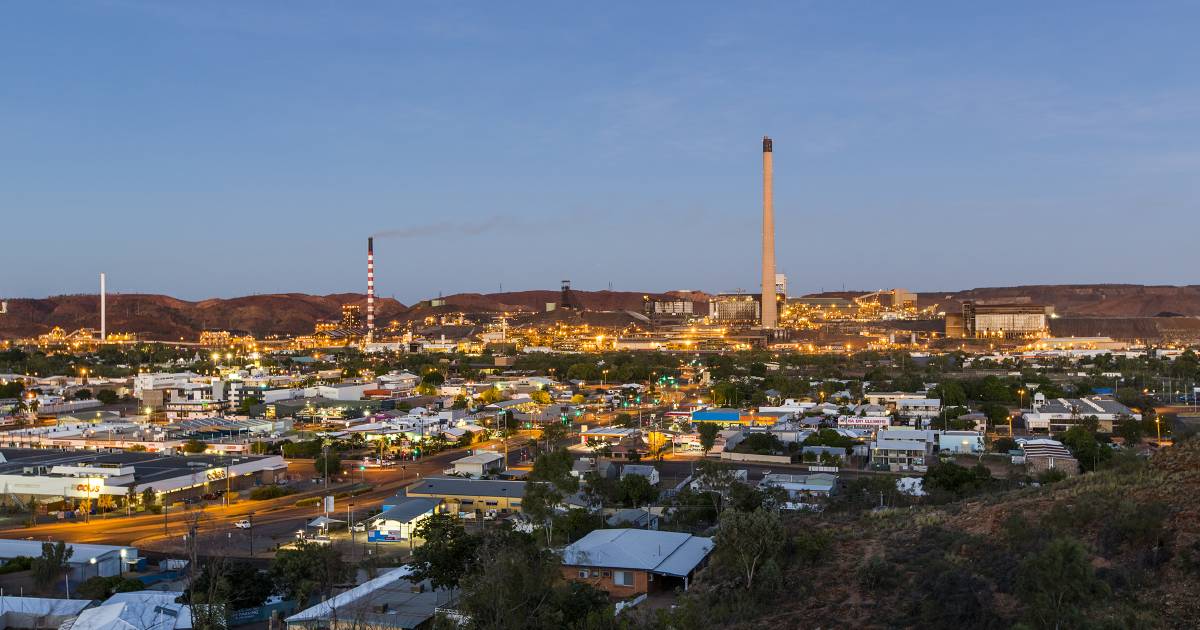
49	475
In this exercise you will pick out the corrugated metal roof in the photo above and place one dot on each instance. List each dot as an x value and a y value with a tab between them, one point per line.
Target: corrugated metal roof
407	511
668	553
457	486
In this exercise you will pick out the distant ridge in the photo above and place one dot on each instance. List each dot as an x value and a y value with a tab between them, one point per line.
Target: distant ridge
166	318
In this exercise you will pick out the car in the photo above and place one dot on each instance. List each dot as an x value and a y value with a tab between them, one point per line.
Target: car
242	524
359	527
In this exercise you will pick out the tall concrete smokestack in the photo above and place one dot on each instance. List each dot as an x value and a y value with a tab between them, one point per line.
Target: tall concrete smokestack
769	315
103	310
370	289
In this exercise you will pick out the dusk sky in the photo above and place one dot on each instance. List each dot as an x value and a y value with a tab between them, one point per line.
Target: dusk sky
221	149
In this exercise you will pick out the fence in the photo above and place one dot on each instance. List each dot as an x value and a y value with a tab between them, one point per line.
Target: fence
754	457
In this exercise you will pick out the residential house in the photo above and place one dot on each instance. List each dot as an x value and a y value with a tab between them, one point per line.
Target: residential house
630	562
642	470
803	491
903	449
1060	414
633	518
480	464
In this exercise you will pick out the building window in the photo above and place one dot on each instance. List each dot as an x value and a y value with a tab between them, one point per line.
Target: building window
623	578
583	573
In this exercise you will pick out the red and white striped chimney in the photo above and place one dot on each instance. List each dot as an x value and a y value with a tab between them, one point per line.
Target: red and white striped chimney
370	288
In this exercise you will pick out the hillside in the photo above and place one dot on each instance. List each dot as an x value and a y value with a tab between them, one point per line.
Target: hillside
1083	300
164	317
1115	549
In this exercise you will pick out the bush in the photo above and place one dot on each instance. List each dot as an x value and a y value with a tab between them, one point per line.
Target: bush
876	574
1003	445
19	563
1051	476
812	547
263	493
104	587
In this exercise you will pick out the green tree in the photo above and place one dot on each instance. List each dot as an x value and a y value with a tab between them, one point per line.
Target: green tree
107	396
541	397
491	396
637	490
194	446
748	541
327	464
517	585
48	567
1129	430
446	552
248	402
539	504
552	434
1085	446
555	467
308	570
239	585
708	436
1057	585
956	479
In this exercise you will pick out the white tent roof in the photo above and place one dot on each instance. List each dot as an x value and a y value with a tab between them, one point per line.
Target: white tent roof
42	606
323	521
139	610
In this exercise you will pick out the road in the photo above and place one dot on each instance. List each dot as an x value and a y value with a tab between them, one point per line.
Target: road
275	520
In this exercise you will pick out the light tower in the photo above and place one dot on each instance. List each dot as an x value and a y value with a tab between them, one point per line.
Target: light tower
769	315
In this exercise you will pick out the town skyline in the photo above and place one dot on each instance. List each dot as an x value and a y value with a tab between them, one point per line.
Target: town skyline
1015	144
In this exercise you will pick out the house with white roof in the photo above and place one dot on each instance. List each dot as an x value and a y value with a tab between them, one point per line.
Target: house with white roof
630	562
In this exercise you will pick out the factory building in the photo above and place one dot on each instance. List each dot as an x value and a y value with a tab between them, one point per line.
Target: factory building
1003	321
735	308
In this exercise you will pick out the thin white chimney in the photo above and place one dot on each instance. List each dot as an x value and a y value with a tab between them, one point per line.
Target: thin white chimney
103	313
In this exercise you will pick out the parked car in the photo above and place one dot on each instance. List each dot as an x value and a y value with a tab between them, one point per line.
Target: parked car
359	527
242	524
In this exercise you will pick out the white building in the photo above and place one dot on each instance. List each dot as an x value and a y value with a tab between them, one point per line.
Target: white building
962	442
918	407
161	380
342	391
1059	414
478	465
86	561
903	449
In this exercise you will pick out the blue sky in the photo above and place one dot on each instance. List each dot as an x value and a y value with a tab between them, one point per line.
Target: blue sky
220	149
